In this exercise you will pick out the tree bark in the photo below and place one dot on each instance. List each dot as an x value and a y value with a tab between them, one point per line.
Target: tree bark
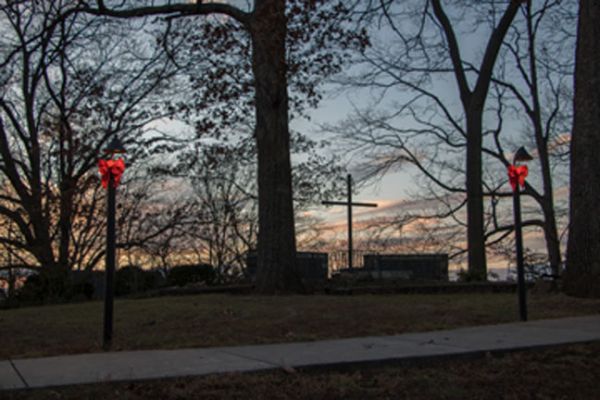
582	277
276	236
475	224
551	235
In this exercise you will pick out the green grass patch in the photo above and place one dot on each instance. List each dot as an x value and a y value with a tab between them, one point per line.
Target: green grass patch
228	320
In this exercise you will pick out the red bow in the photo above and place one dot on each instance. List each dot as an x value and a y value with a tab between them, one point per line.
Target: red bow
111	167
517	175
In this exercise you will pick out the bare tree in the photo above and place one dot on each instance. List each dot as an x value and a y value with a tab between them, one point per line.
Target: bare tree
539	80
65	91
269	29
426	130
222	184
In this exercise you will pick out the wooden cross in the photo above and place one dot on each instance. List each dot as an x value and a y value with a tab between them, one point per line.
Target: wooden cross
349	204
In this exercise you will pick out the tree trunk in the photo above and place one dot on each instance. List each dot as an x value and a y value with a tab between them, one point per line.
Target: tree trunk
473	102
551	234
546	201
276	237
67	186
475	228
66	211
582	277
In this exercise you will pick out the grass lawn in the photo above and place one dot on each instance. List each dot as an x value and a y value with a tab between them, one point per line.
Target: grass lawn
569	373
224	320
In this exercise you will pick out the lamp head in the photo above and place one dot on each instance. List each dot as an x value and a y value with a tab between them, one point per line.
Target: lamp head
115	147
521	155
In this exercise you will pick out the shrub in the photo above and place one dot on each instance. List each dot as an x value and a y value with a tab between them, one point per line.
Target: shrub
183	274
33	290
133	279
54	286
468	276
80	291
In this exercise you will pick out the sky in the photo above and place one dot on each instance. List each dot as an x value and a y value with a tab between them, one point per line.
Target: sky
393	191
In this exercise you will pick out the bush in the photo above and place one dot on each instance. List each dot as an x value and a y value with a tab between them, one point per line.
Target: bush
133	279
468	276
80	291
183	274
33	290
53	286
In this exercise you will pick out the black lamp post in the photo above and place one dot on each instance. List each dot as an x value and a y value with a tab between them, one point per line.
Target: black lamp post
114	147
517	177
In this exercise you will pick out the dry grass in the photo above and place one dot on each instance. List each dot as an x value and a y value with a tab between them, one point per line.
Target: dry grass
223	320
569	373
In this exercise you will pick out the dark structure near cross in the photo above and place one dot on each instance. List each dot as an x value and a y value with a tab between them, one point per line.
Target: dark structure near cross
349	204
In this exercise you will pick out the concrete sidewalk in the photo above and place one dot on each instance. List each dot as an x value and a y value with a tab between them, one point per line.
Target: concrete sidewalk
153	364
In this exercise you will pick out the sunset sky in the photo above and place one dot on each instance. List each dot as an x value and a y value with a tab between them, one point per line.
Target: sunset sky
393	192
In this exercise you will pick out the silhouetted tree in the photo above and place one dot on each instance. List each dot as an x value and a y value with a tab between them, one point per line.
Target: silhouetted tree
221	181
270	26
424	128
67	86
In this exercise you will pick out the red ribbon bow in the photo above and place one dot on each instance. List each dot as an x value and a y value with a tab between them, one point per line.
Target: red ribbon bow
517	175
111	167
